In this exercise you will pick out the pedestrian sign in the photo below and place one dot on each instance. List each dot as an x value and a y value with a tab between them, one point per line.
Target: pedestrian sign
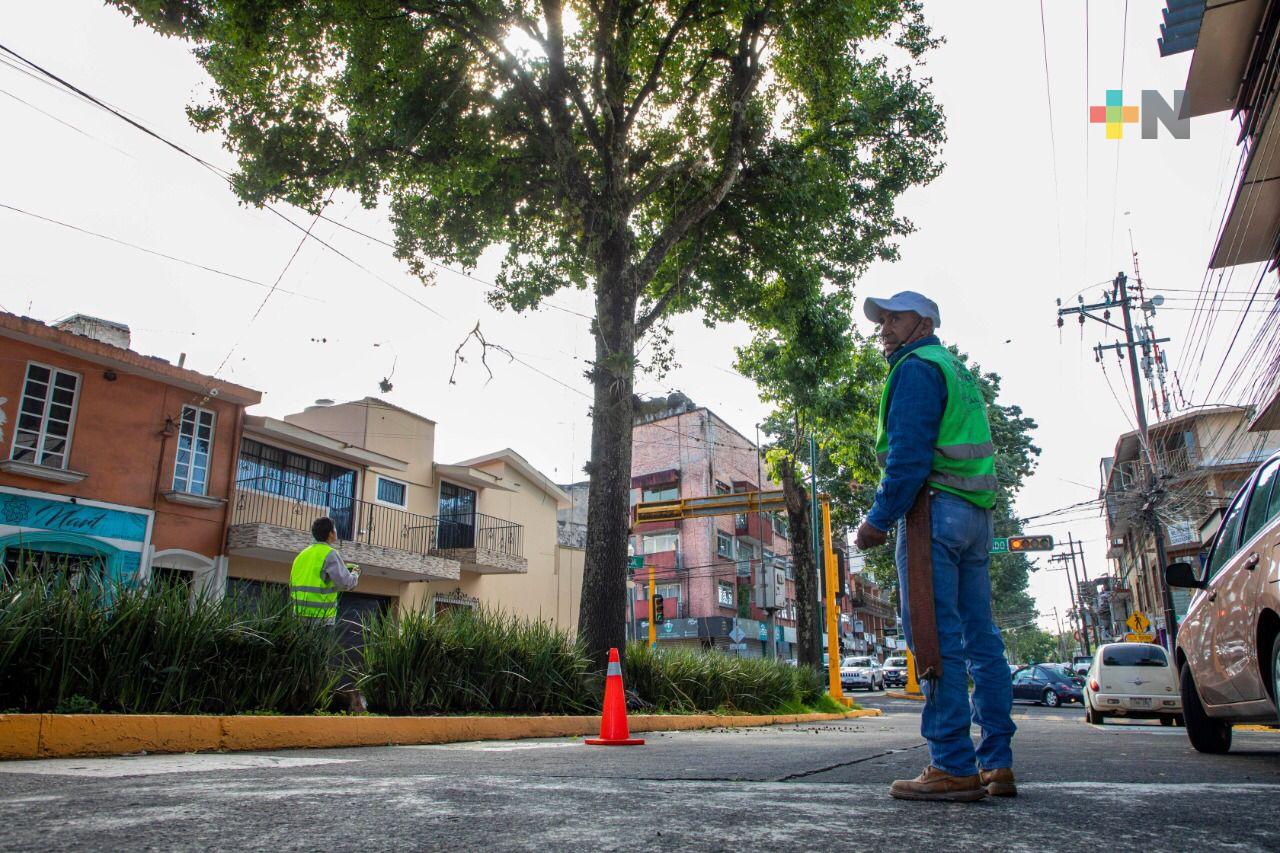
1139	638
636	562
1000	546
737	634
1138	623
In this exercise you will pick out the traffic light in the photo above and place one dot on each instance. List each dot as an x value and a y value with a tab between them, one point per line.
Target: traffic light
1030	543
658	616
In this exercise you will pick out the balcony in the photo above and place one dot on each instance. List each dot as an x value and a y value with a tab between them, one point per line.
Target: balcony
753	525
481	543
271	520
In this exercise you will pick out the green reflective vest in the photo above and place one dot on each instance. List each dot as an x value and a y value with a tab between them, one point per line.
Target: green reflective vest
312	596
964	461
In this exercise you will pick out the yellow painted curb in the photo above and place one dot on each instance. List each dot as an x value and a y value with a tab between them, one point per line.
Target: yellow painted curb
1251	727
67	735
915	697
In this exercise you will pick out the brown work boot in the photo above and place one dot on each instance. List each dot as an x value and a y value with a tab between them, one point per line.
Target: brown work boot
935	784
999	782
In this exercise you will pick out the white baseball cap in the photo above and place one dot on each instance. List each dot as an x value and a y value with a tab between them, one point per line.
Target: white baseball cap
907	300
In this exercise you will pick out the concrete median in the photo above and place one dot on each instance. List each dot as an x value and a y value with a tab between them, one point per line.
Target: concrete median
73	735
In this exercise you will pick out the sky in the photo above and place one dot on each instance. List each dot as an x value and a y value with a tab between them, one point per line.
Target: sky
1034	205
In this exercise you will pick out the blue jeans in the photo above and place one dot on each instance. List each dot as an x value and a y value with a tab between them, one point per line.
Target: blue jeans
968	639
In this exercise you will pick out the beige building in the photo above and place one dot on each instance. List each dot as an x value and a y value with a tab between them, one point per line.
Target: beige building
426	534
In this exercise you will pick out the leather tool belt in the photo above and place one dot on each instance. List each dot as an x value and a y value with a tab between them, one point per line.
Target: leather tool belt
924	622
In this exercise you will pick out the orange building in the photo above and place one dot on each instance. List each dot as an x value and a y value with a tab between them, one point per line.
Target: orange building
113	463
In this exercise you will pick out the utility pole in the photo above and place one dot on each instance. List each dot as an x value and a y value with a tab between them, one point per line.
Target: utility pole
1077	604
1119	297
1077	548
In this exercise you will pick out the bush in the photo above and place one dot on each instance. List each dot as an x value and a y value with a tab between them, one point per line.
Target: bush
467	661
122	649
686	681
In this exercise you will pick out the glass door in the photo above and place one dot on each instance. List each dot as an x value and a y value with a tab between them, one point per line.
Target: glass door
457	517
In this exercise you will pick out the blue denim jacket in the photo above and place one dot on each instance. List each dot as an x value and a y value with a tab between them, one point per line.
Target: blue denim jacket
917	398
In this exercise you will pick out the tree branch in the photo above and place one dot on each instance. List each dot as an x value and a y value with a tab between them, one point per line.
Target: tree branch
746	74
655	72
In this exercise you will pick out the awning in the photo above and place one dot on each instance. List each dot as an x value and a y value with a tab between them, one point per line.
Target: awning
1268	416
1252	226
1222	50
465	475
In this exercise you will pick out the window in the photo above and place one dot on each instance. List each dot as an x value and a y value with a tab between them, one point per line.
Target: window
722	489
724	594
264	468
392	492
1134	655
780	525
1261	508
654	543
42	435
195	442
724	545
1228	539
662	493
75	563
1022	676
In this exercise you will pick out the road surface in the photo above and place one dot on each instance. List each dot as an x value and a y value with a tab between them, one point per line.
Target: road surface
1135	786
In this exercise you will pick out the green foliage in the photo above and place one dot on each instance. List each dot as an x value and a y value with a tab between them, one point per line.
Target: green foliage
469	661
1029	644
687	680
62	649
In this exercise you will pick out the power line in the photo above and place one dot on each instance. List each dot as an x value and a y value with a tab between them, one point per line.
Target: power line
154	252
1053	137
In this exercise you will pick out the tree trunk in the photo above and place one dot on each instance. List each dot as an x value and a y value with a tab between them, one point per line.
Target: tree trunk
808	623
603	612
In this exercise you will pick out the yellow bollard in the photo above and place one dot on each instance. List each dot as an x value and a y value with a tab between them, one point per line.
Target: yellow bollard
912	690
913	686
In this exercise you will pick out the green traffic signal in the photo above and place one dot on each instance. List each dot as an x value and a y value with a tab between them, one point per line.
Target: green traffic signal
658	616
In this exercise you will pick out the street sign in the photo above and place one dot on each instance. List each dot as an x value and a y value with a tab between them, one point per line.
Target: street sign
737	634
1000	545
1139	638
737	647
1138	623
636	562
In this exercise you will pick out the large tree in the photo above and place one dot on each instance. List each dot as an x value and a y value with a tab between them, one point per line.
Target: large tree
667	155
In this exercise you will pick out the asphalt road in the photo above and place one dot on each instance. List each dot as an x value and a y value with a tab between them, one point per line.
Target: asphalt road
1127	786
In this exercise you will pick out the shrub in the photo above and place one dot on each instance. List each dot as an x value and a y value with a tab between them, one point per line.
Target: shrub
467	661
685	681
123	649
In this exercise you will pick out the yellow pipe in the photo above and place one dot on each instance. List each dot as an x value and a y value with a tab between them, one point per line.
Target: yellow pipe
913	686
833	639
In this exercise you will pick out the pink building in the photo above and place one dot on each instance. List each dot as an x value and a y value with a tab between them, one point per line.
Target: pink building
708	570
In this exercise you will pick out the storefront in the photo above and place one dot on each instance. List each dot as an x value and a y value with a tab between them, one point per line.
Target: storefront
54	533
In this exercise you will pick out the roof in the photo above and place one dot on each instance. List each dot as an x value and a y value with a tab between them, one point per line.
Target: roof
522	465
378	401
258	425
123	360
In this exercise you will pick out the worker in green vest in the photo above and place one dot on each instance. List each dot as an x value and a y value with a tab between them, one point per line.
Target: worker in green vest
937	487
319	574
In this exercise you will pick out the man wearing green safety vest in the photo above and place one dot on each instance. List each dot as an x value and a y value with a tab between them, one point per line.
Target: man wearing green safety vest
319	574
937	487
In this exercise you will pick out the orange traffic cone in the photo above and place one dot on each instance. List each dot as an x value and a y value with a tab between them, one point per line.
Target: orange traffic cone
613	725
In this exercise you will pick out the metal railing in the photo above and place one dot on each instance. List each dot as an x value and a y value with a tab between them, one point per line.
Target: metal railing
464	531
268	500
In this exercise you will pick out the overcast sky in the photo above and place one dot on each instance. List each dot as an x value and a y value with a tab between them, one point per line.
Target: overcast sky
1002	233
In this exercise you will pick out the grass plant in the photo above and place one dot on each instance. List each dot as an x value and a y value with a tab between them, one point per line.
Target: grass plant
686	681
68	646
465	661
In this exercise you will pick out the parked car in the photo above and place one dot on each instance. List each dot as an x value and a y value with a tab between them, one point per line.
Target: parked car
895	672
1081	664
861	672
1228	646
1047	685
1132	680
